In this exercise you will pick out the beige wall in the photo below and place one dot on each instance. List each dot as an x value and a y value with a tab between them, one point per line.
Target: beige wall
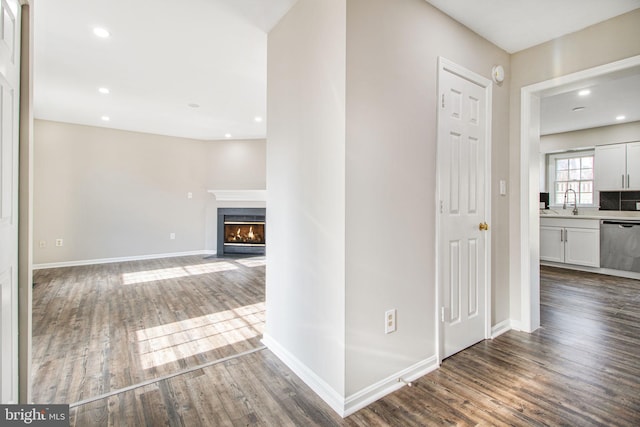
306	190
351	207
236	164
393	49
600	44
117	194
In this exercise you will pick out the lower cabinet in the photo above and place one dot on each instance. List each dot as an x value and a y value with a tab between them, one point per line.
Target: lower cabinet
563	241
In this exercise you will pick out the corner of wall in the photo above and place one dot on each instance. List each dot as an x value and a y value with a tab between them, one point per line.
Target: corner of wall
368	395
327	393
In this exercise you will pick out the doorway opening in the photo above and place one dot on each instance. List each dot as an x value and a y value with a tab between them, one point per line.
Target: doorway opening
529	261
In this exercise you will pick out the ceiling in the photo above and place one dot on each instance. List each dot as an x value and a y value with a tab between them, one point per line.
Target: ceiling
612	99
197	68
517	25
161	56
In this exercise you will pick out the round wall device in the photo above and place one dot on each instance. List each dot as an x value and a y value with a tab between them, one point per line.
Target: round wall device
497	73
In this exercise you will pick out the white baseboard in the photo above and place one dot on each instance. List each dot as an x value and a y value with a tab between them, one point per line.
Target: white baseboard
376	391
516	325
599	270
500	328
345	407
317	384
119	259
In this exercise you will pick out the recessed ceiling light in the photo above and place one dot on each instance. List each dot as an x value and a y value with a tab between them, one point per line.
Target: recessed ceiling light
621	117
103	90
101	32
194	105
257	119
227	135
578	109
105	118
584	92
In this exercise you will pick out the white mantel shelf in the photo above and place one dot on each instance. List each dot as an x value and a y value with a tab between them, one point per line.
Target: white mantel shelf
239	195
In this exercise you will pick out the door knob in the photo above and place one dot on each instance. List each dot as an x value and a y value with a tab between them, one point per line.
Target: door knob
483	226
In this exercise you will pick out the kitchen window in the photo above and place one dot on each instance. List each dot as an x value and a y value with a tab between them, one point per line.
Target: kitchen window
571	171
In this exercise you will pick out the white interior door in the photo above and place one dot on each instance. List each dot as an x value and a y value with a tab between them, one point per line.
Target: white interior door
463	176
9	96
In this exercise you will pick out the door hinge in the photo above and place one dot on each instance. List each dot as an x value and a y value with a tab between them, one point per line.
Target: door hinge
443	100
441	206
442	314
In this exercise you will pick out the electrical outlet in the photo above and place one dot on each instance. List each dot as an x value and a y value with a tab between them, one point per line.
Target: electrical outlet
172	236
189	195
390	321
59	242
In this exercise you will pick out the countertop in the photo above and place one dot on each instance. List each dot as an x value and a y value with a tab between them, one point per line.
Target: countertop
586	213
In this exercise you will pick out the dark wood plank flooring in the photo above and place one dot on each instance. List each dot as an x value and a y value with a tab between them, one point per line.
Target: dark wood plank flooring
103	327
581	368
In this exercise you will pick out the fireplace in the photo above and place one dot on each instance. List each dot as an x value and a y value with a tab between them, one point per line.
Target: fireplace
241	231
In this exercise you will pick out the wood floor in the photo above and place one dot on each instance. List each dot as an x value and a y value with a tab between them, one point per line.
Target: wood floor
581	368
105	327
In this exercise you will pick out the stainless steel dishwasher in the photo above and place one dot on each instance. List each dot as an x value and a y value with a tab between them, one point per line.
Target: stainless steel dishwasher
620	245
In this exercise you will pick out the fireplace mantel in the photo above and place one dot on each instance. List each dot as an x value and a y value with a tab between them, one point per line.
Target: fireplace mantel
239	195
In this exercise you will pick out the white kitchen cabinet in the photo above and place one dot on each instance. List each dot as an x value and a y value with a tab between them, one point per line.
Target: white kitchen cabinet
610	167
570	241
633	166
582	246
552	244
617	167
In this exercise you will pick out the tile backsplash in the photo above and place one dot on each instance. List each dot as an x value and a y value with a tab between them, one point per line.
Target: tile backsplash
619	200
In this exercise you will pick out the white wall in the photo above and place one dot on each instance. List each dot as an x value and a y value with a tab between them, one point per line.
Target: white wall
306	189
117	194
583	140
600	44
393	48
589	138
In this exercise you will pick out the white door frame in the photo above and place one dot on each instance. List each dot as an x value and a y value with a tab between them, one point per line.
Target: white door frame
25	181
445	64
9	221
530	184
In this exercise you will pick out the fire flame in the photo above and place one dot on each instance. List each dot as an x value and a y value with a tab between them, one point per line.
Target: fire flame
244	235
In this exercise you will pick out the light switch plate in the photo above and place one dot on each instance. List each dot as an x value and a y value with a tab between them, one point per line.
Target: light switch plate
503	187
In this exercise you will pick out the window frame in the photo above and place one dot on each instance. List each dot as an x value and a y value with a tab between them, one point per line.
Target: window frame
551	175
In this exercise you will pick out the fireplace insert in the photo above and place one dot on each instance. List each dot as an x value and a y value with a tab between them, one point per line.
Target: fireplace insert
241	231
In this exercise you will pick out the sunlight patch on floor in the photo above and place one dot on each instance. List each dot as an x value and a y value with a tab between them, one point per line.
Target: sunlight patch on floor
178	340
175	272
253	262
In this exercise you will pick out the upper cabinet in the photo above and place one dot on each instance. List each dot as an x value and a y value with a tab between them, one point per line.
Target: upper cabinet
617	167
633	166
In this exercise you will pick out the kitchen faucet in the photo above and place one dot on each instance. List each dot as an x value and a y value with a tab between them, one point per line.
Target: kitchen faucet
575	201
